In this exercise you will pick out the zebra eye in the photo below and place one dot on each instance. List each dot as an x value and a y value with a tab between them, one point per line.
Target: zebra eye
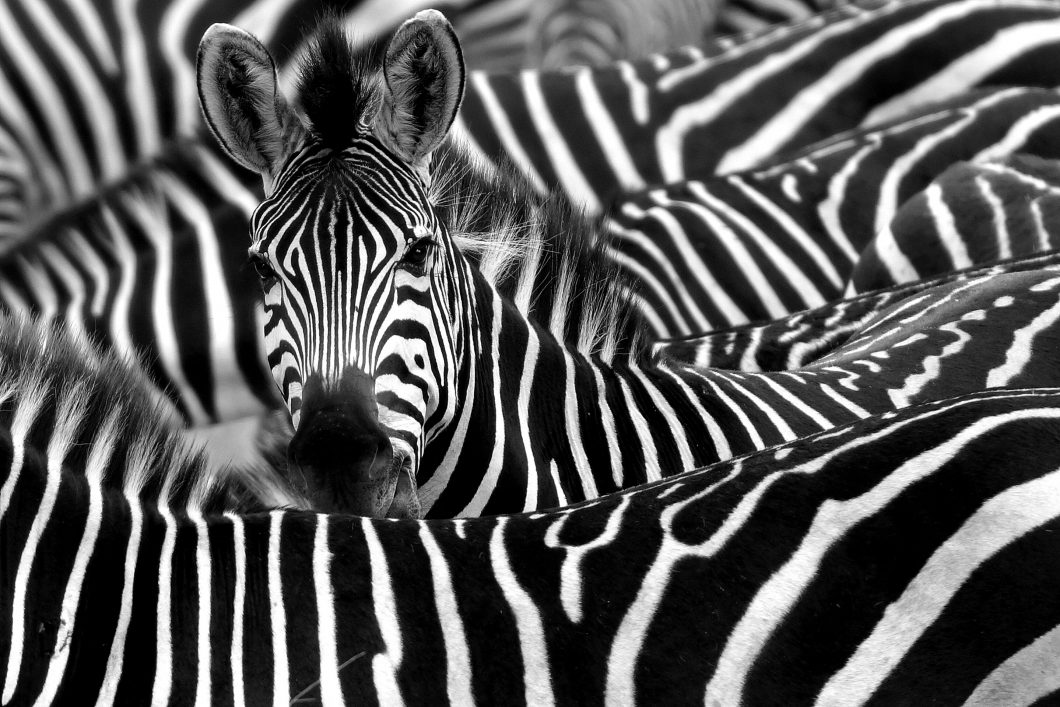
263	268
416	255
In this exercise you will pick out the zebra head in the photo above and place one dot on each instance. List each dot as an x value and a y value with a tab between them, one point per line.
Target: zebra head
352	258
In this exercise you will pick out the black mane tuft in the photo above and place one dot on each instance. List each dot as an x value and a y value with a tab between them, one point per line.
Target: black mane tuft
338	83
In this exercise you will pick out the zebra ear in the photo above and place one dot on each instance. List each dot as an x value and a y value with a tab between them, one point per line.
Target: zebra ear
239	97
424	75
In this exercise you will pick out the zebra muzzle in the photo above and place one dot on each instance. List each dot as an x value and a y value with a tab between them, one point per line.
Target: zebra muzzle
341	455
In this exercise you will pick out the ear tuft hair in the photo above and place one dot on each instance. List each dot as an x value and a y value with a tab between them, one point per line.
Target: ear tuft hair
338	84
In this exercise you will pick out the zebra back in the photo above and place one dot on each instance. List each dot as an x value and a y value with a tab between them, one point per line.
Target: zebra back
910	557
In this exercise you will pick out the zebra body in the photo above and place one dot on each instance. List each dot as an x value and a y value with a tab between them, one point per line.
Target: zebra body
911	556
151	270
799	339
414	385
718	252
972	213
717	108
596	133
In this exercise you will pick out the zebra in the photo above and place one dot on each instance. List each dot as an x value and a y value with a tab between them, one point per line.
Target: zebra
628	122
151	270
597	133
90	91
799	339
912	556
566	33
972	213
754	246
70	259
415	386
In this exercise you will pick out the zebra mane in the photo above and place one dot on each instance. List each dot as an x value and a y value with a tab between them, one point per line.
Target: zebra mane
542	252
65	400
338	86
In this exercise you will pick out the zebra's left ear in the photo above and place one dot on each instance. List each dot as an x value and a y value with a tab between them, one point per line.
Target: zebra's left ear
424	75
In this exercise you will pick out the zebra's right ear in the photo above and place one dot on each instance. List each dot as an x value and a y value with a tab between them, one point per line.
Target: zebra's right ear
239	97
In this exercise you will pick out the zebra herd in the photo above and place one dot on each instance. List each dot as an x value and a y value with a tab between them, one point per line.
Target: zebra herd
721	375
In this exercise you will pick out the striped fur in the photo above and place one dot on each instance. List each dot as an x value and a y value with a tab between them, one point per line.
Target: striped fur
907	558
598	133
972	213
92	90
713	253
414	384
154	269
799	339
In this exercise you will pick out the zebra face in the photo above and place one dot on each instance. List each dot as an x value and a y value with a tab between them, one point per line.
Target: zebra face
356	272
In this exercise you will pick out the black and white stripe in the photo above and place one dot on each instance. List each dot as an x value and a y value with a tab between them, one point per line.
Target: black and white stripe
908	557
972	213
718	252
719	107
155	271
401	359
799	339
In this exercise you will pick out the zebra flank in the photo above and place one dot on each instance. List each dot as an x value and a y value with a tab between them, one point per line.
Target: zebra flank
910	556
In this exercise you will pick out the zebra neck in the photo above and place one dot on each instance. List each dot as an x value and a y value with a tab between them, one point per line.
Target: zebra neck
545	424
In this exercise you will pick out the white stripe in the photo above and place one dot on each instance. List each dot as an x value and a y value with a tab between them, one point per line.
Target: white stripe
1031	673
457	656
567	170
528	623
25	415
997	213
173	33
330	685
572	407
100	115
479	82
75	166
522	414
612	143
1019	353
116	659
139	86
949	237
281	684
163	682
204	575
153	218
239	596
999	522
809	245
1018	133
932	364
71	597
489	479
385	665
232	397
969	69
570	577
